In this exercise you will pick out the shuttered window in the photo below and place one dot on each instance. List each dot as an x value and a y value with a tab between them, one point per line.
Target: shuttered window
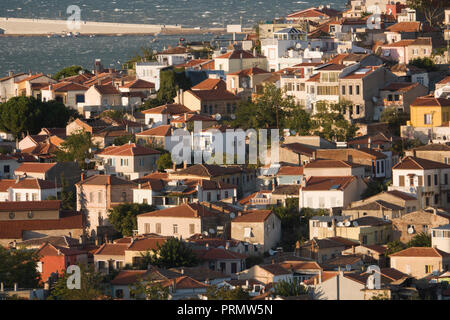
421	181
402	181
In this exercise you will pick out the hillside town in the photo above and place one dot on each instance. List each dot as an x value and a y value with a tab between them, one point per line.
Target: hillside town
350	201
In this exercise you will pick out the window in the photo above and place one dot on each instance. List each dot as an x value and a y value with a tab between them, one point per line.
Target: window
158	228
343	90
350	90
226	195
124	196
18	198
100	197
247	232
79	98
144	201
192	228
428	119
357	109
435	179
364	239
357	90
175	229
436	199
429	180
223	267
428	269
401	181
6	169
147	227
233	267
427	201
208	196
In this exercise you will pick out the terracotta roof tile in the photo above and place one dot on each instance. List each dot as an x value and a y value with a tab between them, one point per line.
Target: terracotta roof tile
423	252
128	150
253	216
290	171
326	183
34	167
160	131
172	109
411	163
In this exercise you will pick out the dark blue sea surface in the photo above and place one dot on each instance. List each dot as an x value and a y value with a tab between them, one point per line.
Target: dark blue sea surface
48	55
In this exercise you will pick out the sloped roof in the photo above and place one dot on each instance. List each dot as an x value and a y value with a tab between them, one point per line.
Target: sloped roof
128	150
208	170
299	148
423	252
160	131
236	54
326	183
253	216
104	180
30	205
172	109
325	163
249	72
186	210
411	163
35	167
430	101
290	171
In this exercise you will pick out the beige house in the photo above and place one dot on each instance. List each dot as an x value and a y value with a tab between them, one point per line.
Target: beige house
434	152
420	262
413	223
243	83
360	86
98	194
365	230
271	273
296	153
25	220
32	85
404	51
327	168
321	250
69	93
394	197
330	192
160	136
125	251
129	160
400	95
260	227
237	60
184	221
376	208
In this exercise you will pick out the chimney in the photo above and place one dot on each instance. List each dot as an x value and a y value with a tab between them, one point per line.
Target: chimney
182	271
185	165
140	185
207	246
81	239
369	142
320	277
227	245
15	286
82	176
239	213
109	179
247	284
2	288
11	73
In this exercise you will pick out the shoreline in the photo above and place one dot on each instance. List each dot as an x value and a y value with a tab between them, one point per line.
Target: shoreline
18	27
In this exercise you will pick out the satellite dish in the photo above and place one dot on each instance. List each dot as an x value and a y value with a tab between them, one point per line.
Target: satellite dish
355	224
293	132
340	224
298	45
233	117
347	224
212	231
348	267
205	233
272	253
232	215
288	133
411	190
267	182
411	230
218	116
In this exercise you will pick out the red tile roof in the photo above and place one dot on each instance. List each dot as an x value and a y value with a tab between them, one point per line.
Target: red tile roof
172	109
146	244
35	184
139	84
106	89
325	183
412	163
213	95
160	131
423	252
430	101
249	72
105	180
13	229
323	163
290	171
185	282
128	277
128	150
253	216
30	205
237	54
210	84
34	167
112	249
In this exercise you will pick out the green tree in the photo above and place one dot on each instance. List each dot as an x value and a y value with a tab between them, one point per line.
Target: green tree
19	266
164	162
424	63
68	72
224	293
170	81
76	147
148	289
124	217
174	253
395	119
394	246
120	141
433	10
374	187
330	123
20	115
420	240
92	286
68	195
291	288
145	55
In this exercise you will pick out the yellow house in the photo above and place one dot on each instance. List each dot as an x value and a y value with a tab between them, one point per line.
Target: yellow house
429	111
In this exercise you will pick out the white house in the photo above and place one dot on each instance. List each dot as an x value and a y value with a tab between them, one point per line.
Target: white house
150	71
